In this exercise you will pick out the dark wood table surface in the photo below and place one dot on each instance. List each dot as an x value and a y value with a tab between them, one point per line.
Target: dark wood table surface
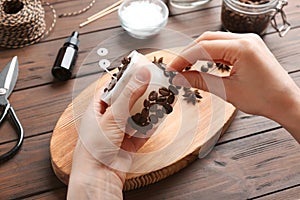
255	159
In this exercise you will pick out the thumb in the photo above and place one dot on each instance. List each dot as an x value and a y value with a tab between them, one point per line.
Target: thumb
204	81
134	89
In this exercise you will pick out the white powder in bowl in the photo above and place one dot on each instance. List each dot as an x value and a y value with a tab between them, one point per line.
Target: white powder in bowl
142	14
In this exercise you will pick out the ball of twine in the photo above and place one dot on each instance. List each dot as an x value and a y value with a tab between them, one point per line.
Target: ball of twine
22	22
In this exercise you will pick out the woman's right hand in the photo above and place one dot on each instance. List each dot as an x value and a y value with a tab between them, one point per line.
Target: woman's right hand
257	83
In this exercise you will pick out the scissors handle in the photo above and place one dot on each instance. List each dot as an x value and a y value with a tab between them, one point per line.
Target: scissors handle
19	130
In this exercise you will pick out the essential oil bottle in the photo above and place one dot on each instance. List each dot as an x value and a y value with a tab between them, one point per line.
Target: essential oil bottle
66	58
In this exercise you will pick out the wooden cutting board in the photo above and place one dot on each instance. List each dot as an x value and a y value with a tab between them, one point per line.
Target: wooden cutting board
188	132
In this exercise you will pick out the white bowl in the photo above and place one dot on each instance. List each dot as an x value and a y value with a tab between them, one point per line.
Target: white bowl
143	18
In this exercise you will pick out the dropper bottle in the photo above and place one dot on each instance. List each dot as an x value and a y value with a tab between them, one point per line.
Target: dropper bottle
66	58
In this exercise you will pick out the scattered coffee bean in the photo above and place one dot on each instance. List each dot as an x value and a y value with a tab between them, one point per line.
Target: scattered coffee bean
173	89
204	68
161	100
158	102
137	117
153	96
146	103
171	99
153	119
167	74
145	113
153	108
160	113
168	108
164	91
210	64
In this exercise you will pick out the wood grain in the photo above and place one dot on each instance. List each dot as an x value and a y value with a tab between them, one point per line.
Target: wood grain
35	70
39	101
266	155
227	172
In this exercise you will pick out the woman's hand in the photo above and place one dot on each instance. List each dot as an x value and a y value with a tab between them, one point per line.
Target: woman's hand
103	152
257	83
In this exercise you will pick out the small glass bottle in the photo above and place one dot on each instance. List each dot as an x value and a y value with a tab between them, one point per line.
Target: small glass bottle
253	16
66	58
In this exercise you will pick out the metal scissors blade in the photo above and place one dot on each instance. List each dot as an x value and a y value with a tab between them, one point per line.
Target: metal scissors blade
9	76
8	79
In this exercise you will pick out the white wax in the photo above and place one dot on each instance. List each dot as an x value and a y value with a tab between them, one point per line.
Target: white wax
142	14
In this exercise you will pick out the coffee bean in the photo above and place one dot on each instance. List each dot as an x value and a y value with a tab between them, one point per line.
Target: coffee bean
171	99
171	80
204	68
210	64
153	119
164	91
167	74
136	118
168	108
238	22
160	113
153	108
145	113
143	120
146	103
161	100
153	96
173	90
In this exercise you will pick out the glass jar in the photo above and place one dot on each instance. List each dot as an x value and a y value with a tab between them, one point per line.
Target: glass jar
241	17
187	4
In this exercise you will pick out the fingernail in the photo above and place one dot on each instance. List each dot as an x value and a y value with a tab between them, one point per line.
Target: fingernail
142	75
180	80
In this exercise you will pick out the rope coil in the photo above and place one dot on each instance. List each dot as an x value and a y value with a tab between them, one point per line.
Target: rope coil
22	22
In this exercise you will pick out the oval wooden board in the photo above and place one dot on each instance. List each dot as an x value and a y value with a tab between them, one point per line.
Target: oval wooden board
215	114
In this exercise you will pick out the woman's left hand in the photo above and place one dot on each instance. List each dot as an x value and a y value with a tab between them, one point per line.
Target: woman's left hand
103	153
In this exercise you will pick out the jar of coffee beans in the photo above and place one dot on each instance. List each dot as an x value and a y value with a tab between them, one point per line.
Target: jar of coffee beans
254	16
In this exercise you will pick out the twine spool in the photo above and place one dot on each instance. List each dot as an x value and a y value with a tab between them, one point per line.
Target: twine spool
22	22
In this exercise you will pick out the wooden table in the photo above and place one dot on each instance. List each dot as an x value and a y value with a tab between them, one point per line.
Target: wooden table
255	159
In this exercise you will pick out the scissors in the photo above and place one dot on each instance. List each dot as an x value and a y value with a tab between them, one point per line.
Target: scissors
8	79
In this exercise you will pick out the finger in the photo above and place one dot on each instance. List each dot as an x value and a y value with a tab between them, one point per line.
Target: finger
183	60
188	57
219	35
135	88
224	51
204	81
206	47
